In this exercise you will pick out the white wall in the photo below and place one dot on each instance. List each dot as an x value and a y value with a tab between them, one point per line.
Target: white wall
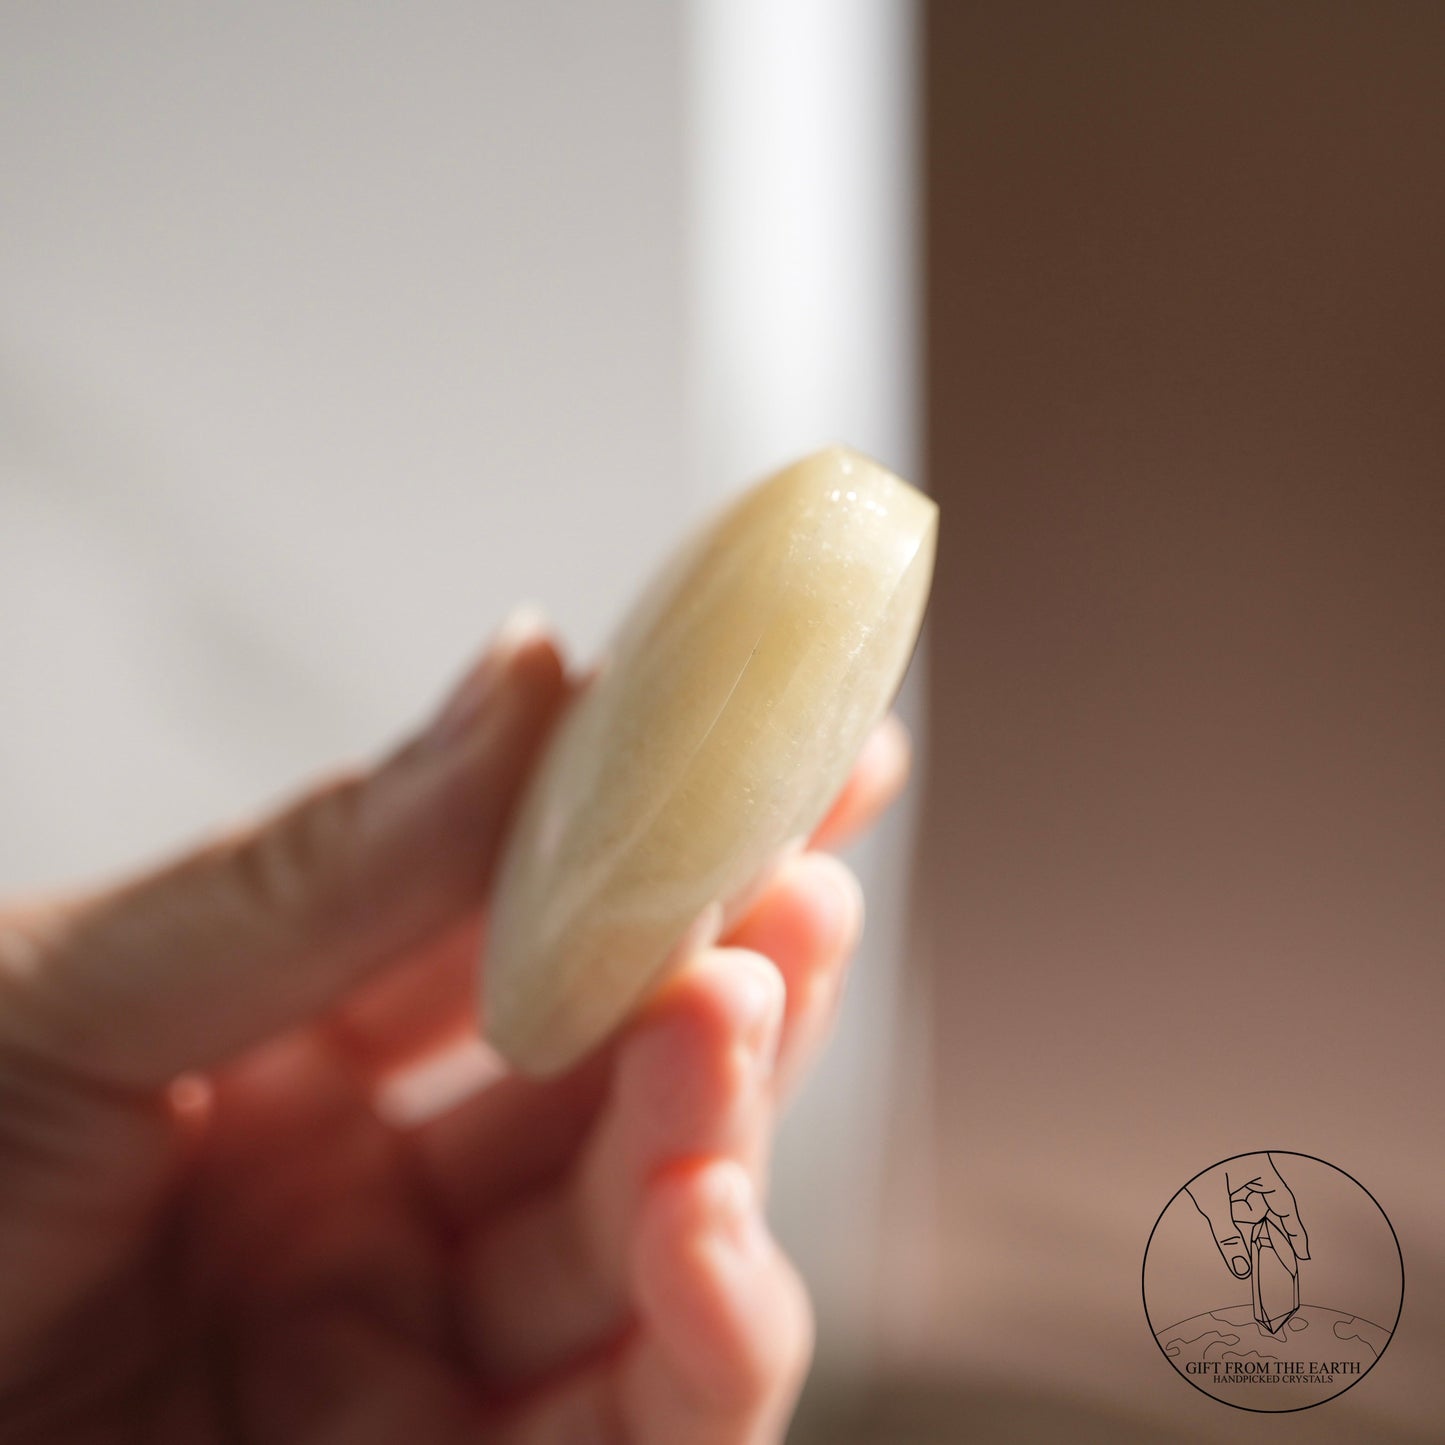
326	334
329	332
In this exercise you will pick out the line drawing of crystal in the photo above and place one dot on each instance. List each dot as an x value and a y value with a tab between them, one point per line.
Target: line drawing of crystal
1274	1276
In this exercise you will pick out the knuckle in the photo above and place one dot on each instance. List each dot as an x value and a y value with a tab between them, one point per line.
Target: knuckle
297	861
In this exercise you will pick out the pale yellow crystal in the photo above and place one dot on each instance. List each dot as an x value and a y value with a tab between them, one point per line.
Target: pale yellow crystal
718	728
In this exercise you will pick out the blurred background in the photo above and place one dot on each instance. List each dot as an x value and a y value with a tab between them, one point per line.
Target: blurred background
328	333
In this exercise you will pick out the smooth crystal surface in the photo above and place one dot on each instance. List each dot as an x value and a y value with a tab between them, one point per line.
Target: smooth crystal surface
719	726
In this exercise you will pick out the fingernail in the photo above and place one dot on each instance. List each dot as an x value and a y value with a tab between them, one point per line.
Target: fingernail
477	691
1240	1265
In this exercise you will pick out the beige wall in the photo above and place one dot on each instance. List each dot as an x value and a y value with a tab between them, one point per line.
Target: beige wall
1185	836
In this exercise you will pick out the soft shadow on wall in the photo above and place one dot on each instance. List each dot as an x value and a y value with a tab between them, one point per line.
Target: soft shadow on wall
1182	838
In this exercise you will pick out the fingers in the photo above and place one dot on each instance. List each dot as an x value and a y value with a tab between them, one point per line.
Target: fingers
695	1077
427	1003
183	967
698	1075
722	1342
878	776
723	1333
725	1327
808	922
518	1133
546	1281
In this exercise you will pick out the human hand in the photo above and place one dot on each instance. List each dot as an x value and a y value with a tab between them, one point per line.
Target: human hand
1244	1191
208	1230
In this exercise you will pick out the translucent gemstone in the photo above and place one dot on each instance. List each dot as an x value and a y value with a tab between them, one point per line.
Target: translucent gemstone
718	728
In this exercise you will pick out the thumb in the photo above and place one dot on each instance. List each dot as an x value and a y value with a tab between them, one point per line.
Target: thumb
179	968
1214	1206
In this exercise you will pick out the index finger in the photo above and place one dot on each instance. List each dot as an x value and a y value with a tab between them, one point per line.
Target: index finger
182	967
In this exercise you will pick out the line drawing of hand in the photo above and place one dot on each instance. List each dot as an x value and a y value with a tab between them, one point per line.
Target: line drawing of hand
1246	1191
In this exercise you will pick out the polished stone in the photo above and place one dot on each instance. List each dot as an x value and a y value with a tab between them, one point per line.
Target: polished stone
719	726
